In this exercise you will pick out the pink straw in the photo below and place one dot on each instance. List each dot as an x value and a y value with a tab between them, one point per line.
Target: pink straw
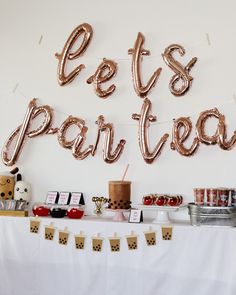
126	169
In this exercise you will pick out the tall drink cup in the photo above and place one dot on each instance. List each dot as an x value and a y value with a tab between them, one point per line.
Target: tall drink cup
119	194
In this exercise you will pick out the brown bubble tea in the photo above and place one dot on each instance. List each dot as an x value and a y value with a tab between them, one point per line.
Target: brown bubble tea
119	195
79	242
150	237
97	244
132	242
114	244
63	237
166	233
34	226
49	233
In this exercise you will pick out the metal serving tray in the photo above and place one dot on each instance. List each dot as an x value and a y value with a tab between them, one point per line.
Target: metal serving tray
215	216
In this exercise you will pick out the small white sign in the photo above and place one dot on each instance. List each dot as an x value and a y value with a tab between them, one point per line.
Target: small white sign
51	197
75	198
63	198
136	216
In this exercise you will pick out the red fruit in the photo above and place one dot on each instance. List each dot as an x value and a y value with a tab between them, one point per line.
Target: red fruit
148	200
173	201
161	201
75	213
41	211
180	200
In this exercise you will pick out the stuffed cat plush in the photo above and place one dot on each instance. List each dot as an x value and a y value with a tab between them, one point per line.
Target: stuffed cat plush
22	190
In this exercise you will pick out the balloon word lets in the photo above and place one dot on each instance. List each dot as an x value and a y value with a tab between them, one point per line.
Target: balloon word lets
19	136
108	68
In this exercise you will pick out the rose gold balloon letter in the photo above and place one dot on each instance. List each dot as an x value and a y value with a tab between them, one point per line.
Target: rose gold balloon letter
200	127
181	72
144	118
76	144
179	138
20	134
66	54
106	70
222	139
109	156
137	53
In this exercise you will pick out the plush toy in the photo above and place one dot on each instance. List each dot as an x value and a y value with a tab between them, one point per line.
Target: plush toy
7	183
22	191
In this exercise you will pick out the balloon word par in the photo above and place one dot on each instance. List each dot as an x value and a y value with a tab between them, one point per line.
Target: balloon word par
15	142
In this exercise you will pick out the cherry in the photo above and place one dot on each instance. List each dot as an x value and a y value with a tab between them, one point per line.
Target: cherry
148	200
173	201
161	201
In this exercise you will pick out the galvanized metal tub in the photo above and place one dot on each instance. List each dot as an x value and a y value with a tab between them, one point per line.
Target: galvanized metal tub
214	216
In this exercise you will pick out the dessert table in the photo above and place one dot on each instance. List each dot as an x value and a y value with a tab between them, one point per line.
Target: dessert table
198	260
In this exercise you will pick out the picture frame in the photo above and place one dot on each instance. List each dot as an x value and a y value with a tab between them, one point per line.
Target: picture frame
136	216
21	205
2	204
10	204
75	198
64	198
51	198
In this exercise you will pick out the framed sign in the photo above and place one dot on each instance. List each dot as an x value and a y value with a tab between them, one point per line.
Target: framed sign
136	216
64	198
75	198
51	198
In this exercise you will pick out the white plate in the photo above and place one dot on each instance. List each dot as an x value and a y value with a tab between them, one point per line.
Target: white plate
162	211
161	208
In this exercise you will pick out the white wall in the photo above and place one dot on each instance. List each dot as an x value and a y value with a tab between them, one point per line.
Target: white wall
33	67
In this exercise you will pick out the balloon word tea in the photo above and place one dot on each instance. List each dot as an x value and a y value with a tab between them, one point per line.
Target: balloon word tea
182	128
181	131
19	136
108	68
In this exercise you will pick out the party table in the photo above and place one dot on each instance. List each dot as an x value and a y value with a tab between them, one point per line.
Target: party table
197	260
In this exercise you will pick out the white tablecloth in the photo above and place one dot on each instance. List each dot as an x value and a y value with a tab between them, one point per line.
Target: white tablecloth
197	261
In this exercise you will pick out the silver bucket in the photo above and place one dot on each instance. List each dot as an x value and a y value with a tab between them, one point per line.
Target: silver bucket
214	216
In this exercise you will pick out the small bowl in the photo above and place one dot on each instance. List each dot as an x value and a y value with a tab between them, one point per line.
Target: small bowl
75	213
58	213
41	211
